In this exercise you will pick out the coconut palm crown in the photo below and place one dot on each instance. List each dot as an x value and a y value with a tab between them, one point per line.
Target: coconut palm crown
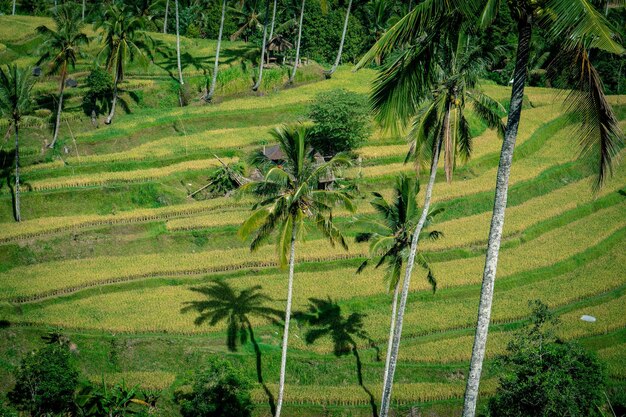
289	194
61	49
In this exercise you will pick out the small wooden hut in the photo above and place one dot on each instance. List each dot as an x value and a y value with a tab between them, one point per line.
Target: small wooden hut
277	48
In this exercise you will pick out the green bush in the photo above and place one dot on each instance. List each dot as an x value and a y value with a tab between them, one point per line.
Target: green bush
45	381
543	376
218	391
99	91
341	120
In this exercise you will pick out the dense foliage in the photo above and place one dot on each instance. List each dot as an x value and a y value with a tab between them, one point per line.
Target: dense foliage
544	376
99	90
342	121
45	381
217	391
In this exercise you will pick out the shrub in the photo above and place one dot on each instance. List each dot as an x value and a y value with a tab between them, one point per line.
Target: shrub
543	376
341	121
45	381
100	89
218	391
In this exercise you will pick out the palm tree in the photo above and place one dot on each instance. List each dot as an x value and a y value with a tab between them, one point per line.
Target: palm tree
256	85
15	101
209	95
124	41
83	11
390	239
249	20
290	195
332	69
577	28
13	9
180	70
224	303
61	48
295	63
428	83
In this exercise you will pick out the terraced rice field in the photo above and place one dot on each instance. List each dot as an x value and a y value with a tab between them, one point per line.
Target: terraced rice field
111	246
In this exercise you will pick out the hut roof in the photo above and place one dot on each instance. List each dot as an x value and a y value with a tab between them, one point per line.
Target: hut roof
279	44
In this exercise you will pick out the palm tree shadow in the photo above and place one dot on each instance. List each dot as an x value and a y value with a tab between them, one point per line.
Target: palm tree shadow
325	319
224	303
7	164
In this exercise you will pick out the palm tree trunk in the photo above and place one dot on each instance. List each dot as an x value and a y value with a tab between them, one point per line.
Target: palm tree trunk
295	64
332	70
394	312
167	8
273	20
397	333
256	85
58	120
114	102
283	359
83	12
13	11
180	70
209	95
497	219
18	214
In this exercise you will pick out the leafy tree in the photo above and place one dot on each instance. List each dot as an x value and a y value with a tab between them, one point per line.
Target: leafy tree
289	195
577	28
61	49
543	376
46	381
218	391
15	102
124	42
99	89
341	120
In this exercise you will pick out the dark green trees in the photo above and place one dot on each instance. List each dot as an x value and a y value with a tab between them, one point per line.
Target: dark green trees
543	376
46	381
218	391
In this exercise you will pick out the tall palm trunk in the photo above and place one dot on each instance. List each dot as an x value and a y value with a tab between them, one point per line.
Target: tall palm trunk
83	11
283	358
13	11
216	66
180	70
332	70
167	9
256	85
397	333
295	64
273	20
18	214
58	120
114	102
394	313
497	219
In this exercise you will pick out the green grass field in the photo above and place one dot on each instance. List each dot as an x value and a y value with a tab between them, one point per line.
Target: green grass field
111	244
